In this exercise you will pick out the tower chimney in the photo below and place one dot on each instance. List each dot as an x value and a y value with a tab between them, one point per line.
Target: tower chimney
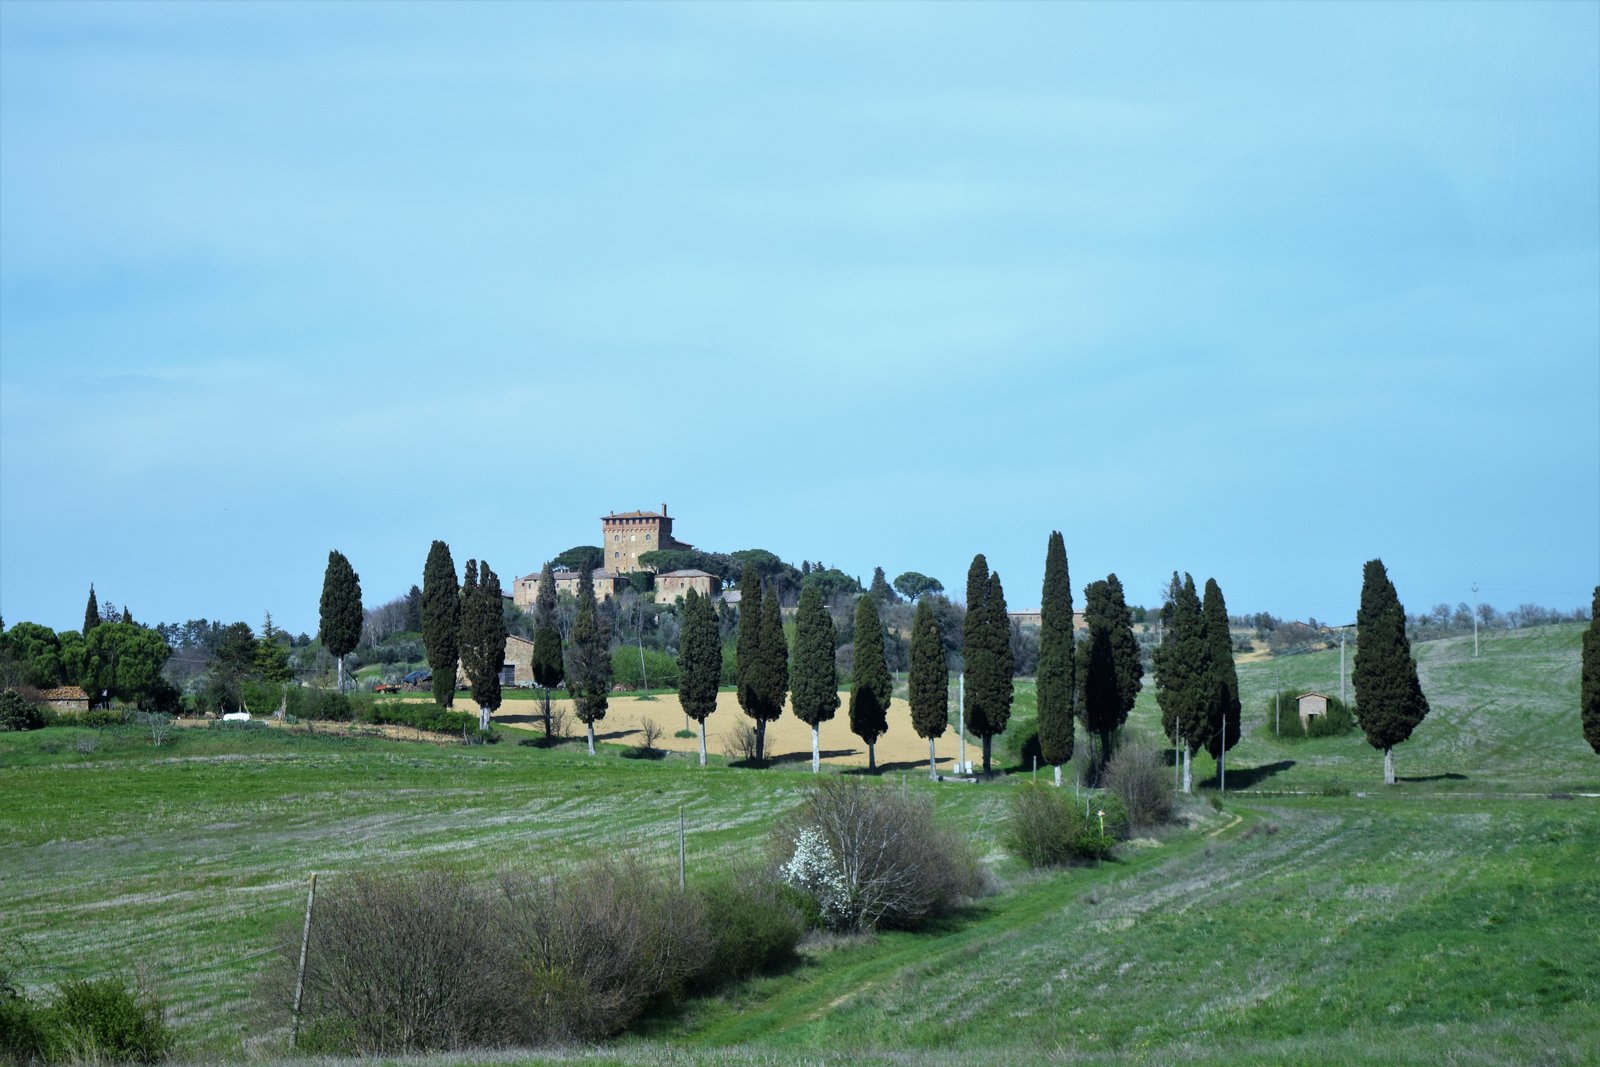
663	509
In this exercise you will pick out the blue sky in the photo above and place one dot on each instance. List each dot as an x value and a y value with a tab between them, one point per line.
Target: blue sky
1258	292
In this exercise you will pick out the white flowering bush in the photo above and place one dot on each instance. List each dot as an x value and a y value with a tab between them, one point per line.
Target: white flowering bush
870	857
814	871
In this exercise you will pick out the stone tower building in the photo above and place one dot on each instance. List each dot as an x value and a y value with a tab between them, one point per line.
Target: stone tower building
625	535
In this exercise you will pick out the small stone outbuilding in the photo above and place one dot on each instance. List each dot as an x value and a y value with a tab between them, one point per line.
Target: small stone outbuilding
1312	705
65	698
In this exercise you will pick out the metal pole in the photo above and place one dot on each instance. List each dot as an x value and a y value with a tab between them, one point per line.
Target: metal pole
682	884
300	974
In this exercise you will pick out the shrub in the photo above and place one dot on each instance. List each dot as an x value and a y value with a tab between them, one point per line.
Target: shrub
1140	780
754	924
22	1030
428	717
870	857
593	947
105	1019
329	705
1047	827
19	713
401	963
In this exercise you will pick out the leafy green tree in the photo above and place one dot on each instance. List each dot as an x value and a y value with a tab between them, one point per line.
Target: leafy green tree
1057	672
589	659
699	662
548	668
483	637
871	685
580	558
233	660
123	661
1591	675
1181	673
91	612
929	682
1109	669
1389	699
74	656
880	588
340	614
914	584
816	689
441	621
1222	690
34	652
831	583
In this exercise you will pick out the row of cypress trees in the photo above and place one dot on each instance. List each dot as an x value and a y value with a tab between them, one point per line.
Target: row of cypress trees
1196	684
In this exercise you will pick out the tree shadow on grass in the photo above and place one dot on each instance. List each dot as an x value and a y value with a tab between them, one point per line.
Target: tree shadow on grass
645	753
1245	777
1448	777
805	757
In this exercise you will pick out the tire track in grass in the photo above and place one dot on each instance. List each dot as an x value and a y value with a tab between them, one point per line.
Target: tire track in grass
807	1002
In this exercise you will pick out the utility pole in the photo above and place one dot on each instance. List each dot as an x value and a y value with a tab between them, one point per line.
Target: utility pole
1277	702
1474	620
300	972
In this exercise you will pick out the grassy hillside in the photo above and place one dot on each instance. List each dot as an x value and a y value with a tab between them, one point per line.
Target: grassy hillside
1451	919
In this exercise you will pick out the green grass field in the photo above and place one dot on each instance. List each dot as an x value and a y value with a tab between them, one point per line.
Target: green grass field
1452	919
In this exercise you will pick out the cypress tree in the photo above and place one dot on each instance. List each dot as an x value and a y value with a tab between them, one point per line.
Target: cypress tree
414	610
1100	699
589	659
127	615
816	689
91	612
1389	699
1124	651
1110	671
975	652
1222	688
870	683
483	637
929	681
880	588
340	610
1591	675
997	705
1181	676
699	662
774	673
747	646
1057	681
441	621
547	666
977	581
